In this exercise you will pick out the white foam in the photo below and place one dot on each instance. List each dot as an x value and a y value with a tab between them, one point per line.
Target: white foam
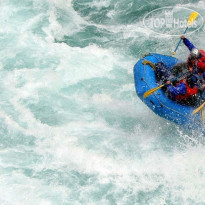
126	159
100	4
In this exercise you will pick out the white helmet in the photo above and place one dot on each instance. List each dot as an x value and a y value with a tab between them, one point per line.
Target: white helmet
195	53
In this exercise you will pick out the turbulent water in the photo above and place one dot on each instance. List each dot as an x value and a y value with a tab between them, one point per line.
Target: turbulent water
72	130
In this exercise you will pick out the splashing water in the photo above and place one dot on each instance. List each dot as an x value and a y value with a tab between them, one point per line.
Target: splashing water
73	130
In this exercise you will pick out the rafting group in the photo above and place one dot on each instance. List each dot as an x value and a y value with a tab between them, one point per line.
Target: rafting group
174	89
185	83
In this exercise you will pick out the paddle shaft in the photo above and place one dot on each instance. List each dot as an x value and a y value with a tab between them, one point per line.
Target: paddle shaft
198	109
180	40
151	91
202	111
179	76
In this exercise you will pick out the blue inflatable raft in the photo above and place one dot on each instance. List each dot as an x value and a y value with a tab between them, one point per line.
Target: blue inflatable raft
158	102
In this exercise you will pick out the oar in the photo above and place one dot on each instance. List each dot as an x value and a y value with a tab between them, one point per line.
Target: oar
202	110
198	109
191	19
151	91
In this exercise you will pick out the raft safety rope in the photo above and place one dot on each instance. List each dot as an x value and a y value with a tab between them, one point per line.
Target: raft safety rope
146	62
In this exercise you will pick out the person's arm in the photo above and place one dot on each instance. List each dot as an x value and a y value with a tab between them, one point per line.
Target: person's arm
187	43
178	90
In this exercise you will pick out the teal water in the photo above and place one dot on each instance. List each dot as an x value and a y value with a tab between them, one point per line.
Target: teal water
72	130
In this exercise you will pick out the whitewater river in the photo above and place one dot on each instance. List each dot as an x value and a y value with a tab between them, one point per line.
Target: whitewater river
72	130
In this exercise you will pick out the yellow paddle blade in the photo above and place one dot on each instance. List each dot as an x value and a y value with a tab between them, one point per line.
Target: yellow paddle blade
192	18
173	53
151	91
198	109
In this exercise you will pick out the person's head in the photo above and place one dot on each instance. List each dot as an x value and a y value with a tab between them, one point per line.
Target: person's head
195	54
175	82
192	81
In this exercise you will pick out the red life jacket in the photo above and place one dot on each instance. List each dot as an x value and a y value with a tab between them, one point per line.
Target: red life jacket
189	91
200	63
